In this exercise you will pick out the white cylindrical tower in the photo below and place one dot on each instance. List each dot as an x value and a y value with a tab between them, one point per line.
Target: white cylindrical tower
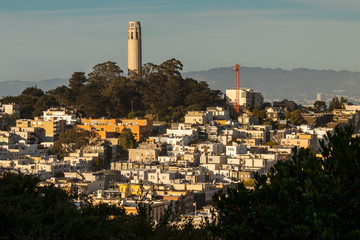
134	48
319	97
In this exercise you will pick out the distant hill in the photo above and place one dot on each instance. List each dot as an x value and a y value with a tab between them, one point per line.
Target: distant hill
14	88
300	85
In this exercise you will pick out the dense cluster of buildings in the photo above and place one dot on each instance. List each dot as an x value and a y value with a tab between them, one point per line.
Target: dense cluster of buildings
183	163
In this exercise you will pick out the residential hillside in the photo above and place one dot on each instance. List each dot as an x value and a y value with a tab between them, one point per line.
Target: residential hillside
299	84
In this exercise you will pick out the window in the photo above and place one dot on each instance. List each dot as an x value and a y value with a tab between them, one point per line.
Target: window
132	35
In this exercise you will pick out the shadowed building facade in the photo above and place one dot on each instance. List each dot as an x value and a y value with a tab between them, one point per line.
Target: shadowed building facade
134	48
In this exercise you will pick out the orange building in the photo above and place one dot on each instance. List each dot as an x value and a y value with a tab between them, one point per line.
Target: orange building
109	128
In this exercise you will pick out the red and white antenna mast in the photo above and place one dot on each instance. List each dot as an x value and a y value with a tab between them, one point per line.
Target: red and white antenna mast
237	70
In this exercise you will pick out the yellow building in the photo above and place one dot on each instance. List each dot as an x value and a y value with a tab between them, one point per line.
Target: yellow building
221	122
106	128
131	189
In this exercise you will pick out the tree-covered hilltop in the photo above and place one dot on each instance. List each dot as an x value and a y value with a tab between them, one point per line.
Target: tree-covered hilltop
160	91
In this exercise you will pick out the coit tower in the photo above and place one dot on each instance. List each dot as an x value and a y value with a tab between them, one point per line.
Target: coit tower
134	48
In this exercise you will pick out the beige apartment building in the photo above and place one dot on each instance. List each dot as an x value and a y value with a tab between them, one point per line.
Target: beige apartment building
52	128
247	97
198	117
143	155
302	141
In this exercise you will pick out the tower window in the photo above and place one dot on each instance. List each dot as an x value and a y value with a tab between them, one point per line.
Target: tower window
132	35
137	35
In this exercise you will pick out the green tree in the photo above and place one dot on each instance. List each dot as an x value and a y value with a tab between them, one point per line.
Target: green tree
171	68
99	163
122	95
306	198
91	102
43	103
104	73
165	94
29	211
72	139
77	80
267	104
76	83
261	114
107	93
126	139
32	92
343	101
135	114
163	87
320	106
199	93
295	117
334	104
63	95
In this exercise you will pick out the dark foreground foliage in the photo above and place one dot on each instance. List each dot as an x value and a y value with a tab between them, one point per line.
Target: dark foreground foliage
306	198
28	211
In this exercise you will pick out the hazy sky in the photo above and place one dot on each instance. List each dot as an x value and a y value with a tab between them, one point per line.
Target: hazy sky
43	39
